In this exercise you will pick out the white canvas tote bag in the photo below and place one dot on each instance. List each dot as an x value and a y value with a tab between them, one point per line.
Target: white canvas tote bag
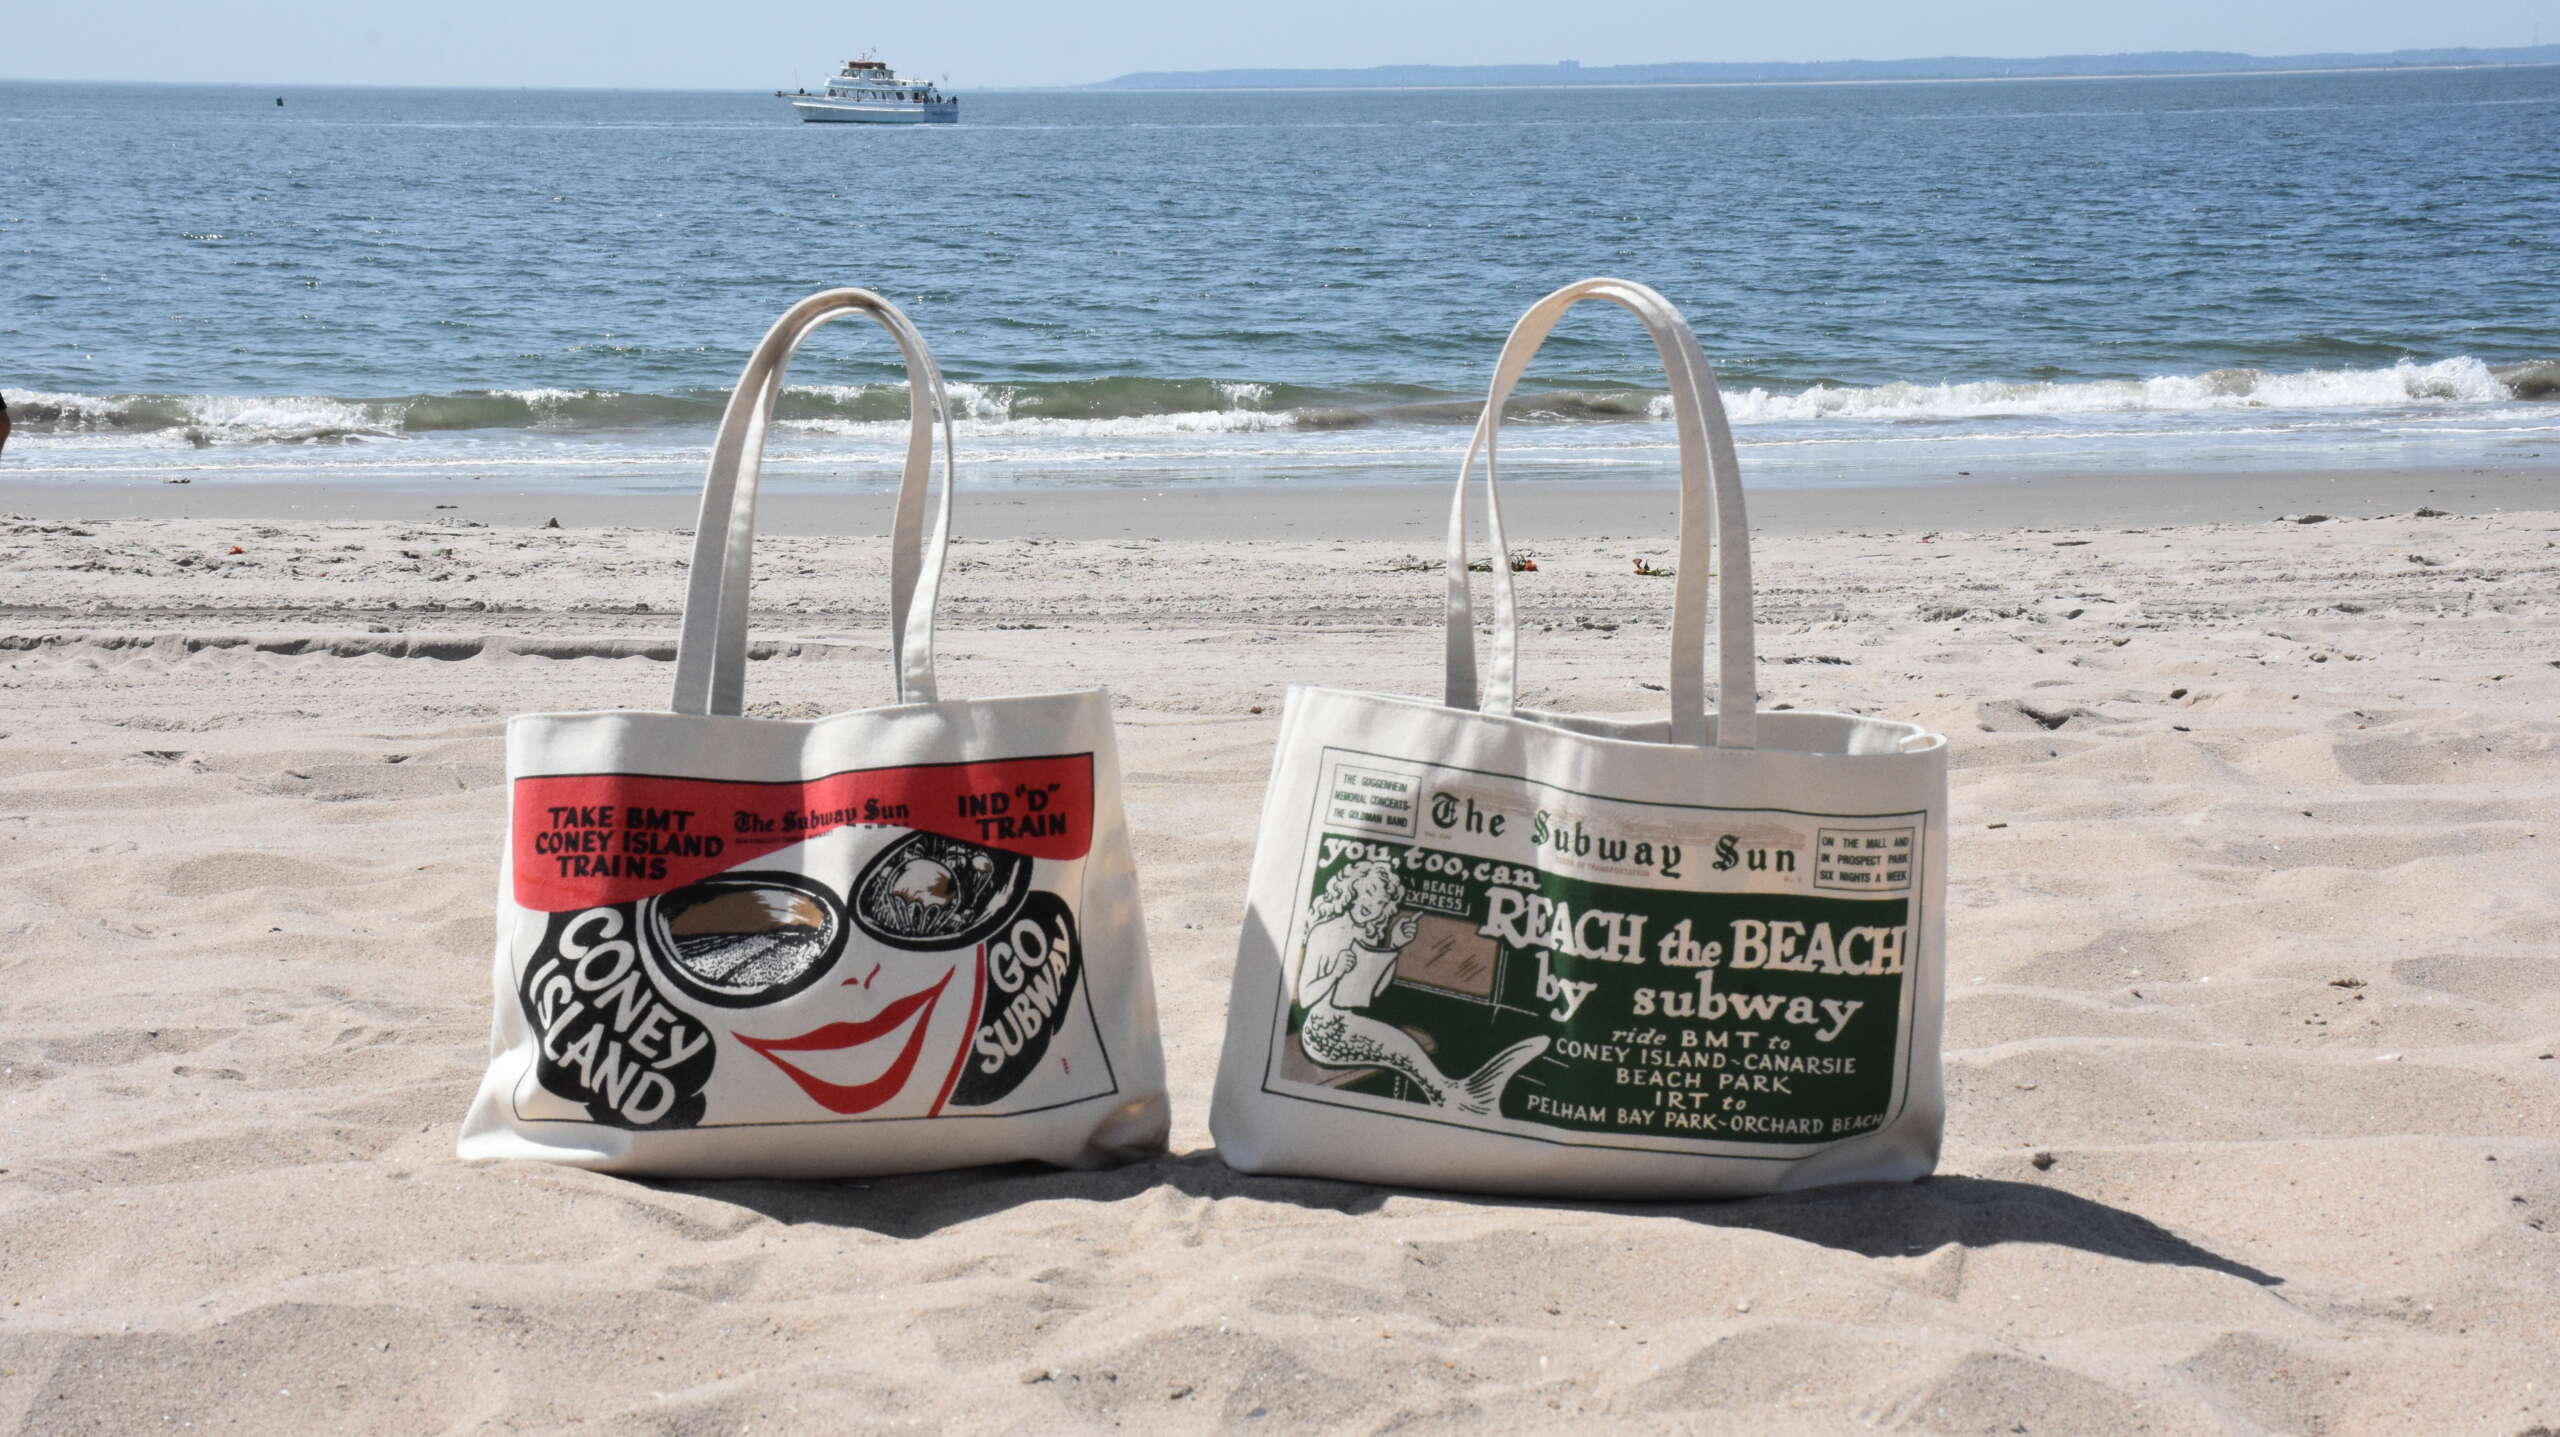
1492	949
894	940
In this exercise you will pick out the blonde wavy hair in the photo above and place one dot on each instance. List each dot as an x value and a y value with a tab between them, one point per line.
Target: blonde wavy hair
1344	888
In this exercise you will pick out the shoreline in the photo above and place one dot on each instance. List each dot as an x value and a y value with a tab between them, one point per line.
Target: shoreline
1533	509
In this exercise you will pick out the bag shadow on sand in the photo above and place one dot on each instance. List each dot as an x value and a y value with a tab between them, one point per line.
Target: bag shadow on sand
1883	1219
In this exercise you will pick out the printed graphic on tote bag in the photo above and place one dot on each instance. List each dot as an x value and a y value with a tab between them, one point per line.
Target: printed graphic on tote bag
1480	949
878	943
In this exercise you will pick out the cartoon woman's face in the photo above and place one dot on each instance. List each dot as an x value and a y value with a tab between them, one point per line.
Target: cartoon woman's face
1373	900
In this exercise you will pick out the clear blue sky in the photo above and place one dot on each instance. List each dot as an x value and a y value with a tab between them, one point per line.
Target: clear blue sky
754	44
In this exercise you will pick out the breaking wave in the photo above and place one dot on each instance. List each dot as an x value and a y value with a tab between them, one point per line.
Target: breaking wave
1137	407
1097	406
2460	381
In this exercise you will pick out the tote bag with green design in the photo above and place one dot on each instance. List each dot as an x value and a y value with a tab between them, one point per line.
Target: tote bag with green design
1496	949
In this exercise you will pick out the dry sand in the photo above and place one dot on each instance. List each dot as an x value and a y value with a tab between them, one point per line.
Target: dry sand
2255	1119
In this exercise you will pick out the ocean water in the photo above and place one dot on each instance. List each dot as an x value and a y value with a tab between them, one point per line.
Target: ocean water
1897	283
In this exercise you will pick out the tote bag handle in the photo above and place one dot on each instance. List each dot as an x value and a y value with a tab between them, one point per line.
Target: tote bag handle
1711	522
711	657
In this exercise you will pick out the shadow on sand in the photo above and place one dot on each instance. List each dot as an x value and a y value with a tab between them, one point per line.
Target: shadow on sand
1871	1219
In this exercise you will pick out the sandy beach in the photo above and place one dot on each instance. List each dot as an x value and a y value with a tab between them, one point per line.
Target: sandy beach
2254	1002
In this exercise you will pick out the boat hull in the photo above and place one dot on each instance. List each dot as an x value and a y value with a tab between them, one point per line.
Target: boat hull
849	112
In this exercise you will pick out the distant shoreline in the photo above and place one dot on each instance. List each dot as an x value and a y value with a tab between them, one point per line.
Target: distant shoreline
1568	74
1114	88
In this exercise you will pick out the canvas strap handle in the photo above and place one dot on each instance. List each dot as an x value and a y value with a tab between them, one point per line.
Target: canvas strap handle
1711	524
711	657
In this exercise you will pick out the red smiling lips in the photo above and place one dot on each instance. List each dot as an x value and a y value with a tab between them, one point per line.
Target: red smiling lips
860	1097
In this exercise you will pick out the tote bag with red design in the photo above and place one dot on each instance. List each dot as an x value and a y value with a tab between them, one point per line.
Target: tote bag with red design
894	940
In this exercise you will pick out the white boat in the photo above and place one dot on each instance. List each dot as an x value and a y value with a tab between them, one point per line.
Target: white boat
868	92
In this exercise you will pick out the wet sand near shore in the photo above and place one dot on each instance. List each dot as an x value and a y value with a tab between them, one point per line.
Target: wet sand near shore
1567	509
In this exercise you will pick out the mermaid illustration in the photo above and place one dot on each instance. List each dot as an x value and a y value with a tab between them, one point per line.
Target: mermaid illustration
1354	936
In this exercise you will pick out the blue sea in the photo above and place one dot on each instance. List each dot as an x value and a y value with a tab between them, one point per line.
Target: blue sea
1897	282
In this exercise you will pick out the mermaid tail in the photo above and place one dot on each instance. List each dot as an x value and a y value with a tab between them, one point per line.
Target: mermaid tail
1481	1092
1338	1039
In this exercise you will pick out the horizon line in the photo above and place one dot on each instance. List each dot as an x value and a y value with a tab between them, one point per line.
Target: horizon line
1106	86
2351	62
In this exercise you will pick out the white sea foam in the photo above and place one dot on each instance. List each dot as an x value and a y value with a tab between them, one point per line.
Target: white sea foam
987	409
1069	413
1133	426
545	398
2461	380
968	401
178	421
